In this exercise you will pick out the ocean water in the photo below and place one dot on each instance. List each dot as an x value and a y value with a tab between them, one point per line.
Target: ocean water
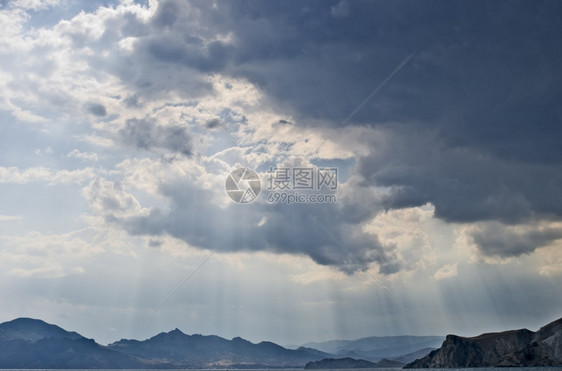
298	369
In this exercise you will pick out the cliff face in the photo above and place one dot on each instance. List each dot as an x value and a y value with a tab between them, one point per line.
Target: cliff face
510	348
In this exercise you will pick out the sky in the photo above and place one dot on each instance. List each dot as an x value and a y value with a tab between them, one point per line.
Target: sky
435	127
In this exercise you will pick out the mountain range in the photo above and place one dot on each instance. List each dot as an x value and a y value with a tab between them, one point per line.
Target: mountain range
375	348
27	343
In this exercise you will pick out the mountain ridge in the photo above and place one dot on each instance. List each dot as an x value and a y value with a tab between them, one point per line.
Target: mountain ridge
213	351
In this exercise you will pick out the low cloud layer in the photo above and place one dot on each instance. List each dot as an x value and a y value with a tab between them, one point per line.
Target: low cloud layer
322	232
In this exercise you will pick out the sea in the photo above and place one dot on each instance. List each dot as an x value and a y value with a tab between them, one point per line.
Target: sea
300	369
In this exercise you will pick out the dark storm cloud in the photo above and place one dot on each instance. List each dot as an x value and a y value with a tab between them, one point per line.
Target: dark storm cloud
167	14
97	109
213	123
482	92
472	123
463	183
146	135
496	239
190	52
132	102
154	243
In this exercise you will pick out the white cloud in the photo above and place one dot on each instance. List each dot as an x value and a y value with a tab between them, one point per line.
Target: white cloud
99	141
46	175
446	271
548	260
44	152
34	4
46	255
26	115
318	274
110	199
9	218
407	229
86	156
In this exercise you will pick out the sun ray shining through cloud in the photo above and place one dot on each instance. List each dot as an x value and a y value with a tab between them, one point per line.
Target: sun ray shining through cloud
406	156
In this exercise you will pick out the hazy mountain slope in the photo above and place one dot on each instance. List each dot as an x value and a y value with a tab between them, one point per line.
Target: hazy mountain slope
29	329
410	357
377	347
30	343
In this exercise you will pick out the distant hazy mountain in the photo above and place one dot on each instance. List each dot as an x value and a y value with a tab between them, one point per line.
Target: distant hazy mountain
31	343
213	351
410	357
346	363
377	347
514	348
